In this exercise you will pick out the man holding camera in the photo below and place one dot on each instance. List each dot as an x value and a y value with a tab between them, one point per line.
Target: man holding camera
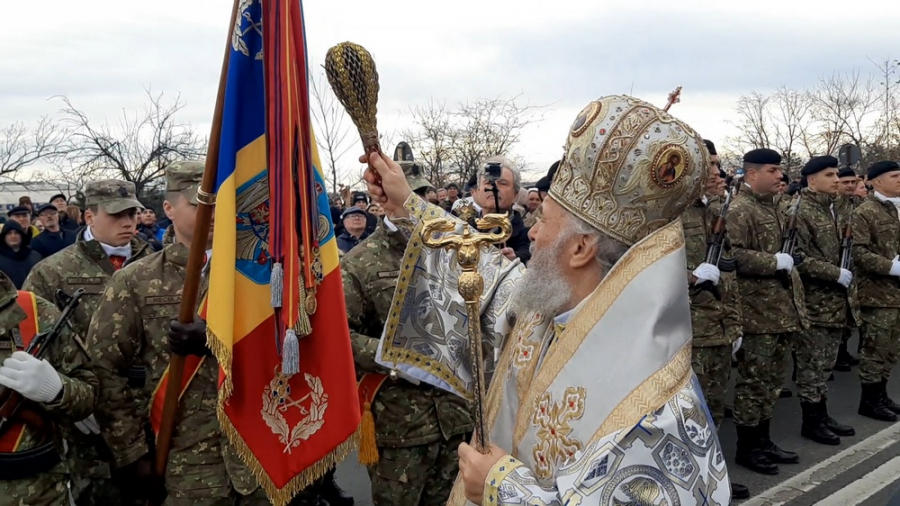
497	188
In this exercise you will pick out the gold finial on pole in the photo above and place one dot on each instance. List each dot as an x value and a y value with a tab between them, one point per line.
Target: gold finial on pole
471	285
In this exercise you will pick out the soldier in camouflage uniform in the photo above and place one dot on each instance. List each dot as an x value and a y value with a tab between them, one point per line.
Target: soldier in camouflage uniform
827	289
135	323
715	316
846	203
876	244
62	385
418	427
103	246
770	313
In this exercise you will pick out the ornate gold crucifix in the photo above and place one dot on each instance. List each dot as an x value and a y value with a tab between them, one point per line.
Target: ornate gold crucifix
471	285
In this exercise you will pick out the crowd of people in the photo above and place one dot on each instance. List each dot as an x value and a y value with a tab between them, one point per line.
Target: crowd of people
606	313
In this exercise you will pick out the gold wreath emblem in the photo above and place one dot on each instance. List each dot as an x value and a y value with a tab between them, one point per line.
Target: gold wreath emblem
277	400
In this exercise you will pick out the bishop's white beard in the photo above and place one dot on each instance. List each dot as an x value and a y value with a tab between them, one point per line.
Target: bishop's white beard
543	289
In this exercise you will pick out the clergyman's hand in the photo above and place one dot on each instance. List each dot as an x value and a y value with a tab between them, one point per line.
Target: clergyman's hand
394	190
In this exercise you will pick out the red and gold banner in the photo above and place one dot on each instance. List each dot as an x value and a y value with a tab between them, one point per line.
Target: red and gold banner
28	328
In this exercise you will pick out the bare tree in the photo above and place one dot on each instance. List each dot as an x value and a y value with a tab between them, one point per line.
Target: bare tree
332	131
430	137
21	147
138	149
452	142
845	107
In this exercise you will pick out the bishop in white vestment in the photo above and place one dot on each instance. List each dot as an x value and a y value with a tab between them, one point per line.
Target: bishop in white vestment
592	401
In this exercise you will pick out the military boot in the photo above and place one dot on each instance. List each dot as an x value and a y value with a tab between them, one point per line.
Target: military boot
844	360
813	427
887	401
870	404
832	424
739	491
750	453
771	450
332	493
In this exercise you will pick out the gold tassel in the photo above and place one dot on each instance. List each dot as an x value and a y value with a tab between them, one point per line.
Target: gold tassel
368	451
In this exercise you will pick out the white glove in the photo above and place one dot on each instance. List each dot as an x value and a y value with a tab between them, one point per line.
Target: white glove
785	262
35	379
895	266
845	278
88	425
706	272
735	346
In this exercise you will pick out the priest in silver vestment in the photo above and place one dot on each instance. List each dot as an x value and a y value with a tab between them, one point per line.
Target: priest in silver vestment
592	401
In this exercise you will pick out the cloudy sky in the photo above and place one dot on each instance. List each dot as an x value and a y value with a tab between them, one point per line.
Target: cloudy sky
558	53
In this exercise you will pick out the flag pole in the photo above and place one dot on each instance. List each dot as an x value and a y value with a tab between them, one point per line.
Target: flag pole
206	198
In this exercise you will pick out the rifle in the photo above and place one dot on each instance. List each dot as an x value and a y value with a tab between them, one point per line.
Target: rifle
12	404
717	244
789	241
847	245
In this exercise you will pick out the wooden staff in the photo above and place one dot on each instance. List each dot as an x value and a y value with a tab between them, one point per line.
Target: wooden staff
206	197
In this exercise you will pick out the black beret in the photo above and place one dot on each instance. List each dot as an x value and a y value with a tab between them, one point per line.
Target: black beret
552	172
58	196
785	179
543	184
847	172
879	168
763	156
710	146
817	164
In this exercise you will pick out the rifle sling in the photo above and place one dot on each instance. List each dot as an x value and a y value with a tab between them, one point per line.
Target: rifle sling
28	463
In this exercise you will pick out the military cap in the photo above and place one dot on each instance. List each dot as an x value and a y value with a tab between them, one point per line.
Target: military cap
414	176
817	164
710	147
352	210
58	196
184	177
111	195
18	210
45	207
763	156
628	191
879	168
847	172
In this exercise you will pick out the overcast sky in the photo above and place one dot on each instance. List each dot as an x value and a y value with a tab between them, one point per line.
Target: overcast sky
560	53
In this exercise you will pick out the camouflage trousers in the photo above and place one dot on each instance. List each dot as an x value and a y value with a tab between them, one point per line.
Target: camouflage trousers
712	365
417	475
48	489
880	336
761	368
816	352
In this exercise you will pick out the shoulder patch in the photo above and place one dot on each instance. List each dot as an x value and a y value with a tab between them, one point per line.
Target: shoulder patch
158	300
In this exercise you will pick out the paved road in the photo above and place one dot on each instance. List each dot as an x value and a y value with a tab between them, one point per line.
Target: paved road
864	470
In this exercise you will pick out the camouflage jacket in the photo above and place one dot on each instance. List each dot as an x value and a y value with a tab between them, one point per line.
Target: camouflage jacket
75	404
755	228
405	414
820	229
876	241
715	322
81	265
130	328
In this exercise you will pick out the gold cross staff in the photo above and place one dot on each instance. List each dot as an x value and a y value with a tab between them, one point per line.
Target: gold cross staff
471	286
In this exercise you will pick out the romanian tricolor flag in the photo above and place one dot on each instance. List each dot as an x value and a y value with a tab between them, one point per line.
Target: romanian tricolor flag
275	307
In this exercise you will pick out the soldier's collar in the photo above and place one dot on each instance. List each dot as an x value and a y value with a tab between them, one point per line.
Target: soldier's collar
177	253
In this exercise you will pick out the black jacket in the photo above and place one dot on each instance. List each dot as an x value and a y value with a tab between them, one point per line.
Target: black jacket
67	223
346	242
17	264
48	243
518	240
